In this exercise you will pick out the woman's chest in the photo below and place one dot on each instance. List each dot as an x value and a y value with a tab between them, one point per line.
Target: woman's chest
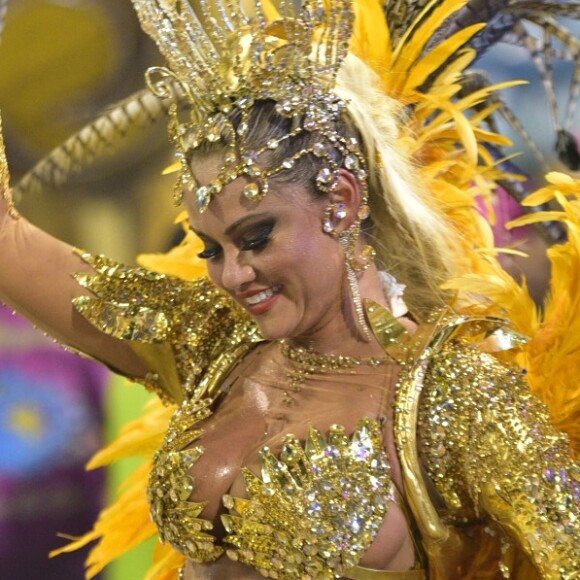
265	416
313	472
255	432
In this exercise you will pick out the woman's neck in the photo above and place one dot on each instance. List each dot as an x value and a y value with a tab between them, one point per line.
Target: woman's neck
340	335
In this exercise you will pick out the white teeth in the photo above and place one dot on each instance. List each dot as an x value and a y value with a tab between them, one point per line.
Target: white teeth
260	297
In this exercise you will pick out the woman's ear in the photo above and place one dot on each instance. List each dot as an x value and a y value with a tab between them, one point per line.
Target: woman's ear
346	195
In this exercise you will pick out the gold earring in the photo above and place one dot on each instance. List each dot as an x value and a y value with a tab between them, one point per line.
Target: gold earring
348	240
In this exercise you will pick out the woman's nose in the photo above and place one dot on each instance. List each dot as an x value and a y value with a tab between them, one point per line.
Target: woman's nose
236	272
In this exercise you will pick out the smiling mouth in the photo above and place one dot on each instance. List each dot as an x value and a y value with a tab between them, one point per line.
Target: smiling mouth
262	296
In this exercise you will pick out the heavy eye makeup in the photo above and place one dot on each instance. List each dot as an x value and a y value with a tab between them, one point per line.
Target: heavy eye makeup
253	236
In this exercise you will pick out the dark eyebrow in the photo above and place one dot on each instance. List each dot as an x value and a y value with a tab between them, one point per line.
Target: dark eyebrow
254	217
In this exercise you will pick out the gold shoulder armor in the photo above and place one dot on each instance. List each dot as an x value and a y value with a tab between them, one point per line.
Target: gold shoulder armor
177	327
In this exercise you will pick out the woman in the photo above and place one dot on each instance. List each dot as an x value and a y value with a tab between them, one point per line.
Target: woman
319	429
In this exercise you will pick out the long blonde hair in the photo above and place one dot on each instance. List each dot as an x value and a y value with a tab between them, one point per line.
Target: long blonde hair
414	240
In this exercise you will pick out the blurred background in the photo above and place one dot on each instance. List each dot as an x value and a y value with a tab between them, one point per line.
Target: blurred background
62	63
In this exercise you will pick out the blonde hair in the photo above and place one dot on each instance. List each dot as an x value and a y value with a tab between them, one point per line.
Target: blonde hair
413	239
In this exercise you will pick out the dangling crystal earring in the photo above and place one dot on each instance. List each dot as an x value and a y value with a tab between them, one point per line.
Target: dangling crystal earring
348	241
333	215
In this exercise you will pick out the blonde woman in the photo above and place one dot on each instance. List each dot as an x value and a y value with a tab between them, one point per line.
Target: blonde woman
319	429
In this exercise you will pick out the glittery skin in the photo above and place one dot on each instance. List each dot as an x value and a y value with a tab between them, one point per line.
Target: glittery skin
502	495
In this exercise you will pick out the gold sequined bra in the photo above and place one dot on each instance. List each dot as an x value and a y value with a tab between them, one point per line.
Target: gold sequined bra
313	512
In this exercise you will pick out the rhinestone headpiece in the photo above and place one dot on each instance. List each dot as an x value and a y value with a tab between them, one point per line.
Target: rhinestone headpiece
228	58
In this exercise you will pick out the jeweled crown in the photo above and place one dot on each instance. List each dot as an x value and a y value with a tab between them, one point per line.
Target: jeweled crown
230	57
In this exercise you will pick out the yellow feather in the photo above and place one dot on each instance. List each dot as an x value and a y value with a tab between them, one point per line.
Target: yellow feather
370	40
454	70
559	182
182	260
126	522
172	168
166	563
532	218
492	281
462	126
415	38
484	153
120	527
141	437
434	59
499	251
484	113
540	196
557	178
552	357
446	92
479	96
465	133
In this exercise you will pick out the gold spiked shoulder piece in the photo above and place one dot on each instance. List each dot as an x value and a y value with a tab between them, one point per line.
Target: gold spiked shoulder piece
184	332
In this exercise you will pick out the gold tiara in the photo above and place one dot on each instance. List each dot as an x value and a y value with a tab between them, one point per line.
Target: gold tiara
228	58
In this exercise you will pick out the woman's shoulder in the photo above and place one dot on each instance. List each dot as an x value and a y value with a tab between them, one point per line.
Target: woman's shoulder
463	368
444	336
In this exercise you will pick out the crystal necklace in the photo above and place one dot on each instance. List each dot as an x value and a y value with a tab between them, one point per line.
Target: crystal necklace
304	363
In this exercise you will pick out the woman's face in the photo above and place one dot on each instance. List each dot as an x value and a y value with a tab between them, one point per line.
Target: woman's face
272	257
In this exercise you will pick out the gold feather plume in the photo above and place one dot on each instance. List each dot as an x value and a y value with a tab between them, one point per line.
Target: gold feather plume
444	134
552	355
126	523
554	349
182	260
443	138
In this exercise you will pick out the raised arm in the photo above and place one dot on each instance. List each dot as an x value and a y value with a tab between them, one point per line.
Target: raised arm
36	280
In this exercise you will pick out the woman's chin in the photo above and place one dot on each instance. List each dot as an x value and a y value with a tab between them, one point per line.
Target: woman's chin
272	328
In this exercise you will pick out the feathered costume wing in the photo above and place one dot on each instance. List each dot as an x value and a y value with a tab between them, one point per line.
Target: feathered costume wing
424	52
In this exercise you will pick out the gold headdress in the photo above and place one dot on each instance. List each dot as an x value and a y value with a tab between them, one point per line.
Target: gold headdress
233	60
